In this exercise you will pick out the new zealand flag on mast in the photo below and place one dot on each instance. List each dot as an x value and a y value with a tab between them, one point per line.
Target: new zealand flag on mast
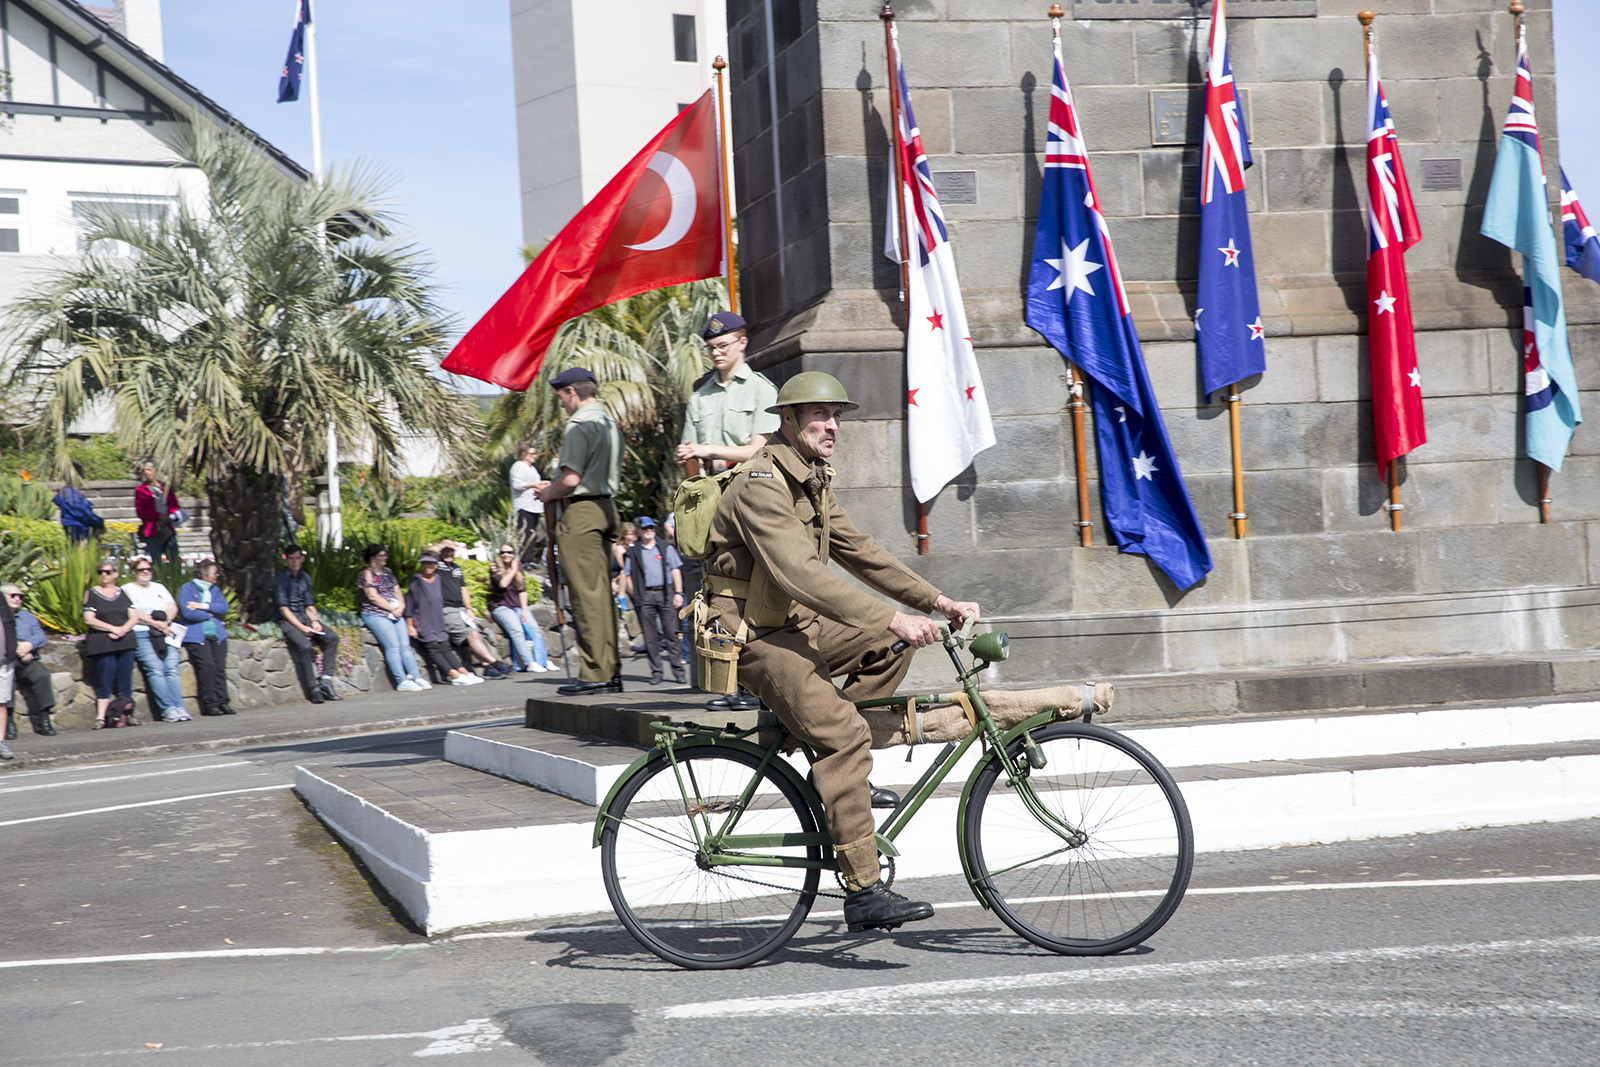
1227	315
1076	301
294	64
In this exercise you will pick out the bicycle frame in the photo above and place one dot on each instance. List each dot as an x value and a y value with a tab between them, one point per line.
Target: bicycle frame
718	844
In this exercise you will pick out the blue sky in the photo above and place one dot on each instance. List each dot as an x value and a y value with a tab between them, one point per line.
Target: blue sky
423	90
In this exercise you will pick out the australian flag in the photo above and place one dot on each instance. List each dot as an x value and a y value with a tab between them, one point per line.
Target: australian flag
1518	216
1583	246
1076	301
1227	315
294	64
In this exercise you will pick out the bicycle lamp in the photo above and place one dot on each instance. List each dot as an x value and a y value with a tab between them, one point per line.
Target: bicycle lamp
991	647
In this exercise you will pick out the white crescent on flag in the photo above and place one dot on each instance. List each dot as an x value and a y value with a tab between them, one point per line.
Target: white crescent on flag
680	187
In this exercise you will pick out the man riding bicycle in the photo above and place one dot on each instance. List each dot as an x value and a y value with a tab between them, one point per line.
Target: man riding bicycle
776	528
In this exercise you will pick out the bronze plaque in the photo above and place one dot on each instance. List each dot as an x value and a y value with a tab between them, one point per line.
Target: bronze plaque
956	186
1176	114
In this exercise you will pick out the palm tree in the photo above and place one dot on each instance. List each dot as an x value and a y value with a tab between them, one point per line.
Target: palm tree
647	353
227	338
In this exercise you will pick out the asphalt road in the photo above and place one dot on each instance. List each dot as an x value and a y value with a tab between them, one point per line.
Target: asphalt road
191	908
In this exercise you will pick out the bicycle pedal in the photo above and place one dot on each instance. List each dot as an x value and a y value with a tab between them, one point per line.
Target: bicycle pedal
858	928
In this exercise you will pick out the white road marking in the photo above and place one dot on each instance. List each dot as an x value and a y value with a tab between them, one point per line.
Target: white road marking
145	804
473	1035
124	777
924	998
613	927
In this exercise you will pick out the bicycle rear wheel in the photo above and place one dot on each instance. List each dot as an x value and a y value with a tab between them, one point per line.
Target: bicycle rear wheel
1106	888
676	904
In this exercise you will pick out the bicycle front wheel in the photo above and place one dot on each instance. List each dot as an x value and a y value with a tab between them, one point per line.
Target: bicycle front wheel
670	897
1103	860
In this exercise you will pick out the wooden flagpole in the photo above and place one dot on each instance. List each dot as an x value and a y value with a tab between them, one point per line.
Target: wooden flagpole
1240	517
1080	388
725	172
887	15
1393	507
1516	10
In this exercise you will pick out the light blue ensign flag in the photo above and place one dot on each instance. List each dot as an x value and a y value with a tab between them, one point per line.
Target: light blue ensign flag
1518	216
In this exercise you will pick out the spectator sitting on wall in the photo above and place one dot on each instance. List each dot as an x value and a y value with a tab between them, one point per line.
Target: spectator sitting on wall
31	677
508	605
425	621
459	618
78	517
156	505
378	593
304	632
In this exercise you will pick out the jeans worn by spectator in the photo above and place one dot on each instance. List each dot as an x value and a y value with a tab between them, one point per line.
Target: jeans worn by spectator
523	651
395	642
166	686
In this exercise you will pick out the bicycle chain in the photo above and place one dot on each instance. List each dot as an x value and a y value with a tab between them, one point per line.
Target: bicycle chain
779	888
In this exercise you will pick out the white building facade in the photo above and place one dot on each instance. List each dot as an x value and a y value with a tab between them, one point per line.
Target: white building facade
594	82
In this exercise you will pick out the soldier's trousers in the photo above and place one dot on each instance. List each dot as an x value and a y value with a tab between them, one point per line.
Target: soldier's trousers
792	671
584	535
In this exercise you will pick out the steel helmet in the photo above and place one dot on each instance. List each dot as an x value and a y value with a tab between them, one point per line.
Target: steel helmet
812	387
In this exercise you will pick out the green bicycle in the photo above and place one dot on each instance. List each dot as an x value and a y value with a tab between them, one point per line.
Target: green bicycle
713	844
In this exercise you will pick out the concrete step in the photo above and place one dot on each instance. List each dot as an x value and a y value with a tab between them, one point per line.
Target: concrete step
461	847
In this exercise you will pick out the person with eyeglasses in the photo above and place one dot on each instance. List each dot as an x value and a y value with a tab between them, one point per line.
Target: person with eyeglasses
110	617
508	606
156	646
31	678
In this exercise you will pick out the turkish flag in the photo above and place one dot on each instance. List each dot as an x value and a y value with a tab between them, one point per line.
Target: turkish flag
658	222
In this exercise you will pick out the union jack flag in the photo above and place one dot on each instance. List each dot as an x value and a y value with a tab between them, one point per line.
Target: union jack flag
1227	316
1583	245
947	410
1397	421
1077	302
1517	214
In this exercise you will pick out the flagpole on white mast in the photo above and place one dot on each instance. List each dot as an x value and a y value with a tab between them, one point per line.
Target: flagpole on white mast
900	179
334	534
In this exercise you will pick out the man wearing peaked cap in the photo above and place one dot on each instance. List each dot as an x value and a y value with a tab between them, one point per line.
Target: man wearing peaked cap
777	526
726	421
589	475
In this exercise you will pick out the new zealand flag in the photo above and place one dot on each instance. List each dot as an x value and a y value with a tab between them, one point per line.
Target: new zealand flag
1076	301
294	64
1227	316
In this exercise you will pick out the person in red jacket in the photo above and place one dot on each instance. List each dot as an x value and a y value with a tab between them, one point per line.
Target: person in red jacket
155	502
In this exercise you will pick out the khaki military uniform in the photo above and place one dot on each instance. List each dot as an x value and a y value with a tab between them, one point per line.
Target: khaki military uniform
592	446
776	529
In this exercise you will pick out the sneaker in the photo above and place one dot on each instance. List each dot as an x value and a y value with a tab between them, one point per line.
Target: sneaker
467	679
178	715
537	668
409	686
5	752
423	683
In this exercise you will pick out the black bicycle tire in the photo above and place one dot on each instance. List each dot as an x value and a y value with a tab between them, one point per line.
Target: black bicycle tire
651	923
1072	893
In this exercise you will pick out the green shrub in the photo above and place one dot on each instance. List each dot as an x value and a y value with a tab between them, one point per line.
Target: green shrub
58	597
99	458
25	498
47	536
21	561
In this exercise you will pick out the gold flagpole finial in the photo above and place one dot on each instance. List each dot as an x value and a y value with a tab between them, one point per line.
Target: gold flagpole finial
1366	18
719	64
1516	8
1056	12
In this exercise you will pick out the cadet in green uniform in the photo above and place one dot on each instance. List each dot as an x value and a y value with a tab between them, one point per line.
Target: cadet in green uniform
726	422
776	528
590	473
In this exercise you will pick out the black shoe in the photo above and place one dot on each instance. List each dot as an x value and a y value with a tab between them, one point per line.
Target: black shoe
316	696
681	678
42	724
11	727
578	689
655	679
878	907
214	711
884	798
328	692
228	710
743	700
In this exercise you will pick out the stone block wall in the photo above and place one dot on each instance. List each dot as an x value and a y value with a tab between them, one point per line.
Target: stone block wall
1321	579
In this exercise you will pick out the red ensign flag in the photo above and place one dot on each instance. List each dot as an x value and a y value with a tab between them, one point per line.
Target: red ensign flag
658	222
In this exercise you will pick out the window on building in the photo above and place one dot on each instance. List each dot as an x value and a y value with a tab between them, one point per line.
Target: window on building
10	224
90	208
684	49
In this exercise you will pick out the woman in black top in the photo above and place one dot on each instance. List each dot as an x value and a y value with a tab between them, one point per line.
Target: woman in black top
110	616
